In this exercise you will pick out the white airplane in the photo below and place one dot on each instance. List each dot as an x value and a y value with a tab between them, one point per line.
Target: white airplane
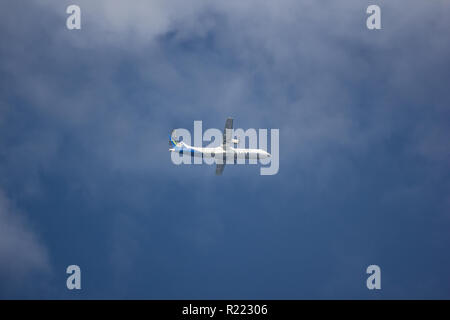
225	153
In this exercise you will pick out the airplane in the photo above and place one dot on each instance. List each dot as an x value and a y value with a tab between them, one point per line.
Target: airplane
226	151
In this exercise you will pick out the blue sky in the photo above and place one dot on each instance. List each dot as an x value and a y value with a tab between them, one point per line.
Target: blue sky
86	178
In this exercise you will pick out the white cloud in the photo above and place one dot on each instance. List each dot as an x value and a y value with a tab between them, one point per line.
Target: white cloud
21	251
313	62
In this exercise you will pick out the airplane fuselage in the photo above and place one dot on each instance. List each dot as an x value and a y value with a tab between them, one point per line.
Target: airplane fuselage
230	154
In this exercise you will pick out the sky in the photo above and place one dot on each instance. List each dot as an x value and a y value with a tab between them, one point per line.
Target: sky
86	177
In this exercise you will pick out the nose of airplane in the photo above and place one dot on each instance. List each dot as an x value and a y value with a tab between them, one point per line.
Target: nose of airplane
266	154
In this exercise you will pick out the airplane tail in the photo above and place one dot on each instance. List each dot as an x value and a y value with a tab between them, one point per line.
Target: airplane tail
173	140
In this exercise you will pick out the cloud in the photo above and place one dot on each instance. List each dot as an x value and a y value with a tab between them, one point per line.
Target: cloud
309	60
21	251
114	89
87	113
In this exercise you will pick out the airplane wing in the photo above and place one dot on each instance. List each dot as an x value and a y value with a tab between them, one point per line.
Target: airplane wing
226	143
219	169
227	132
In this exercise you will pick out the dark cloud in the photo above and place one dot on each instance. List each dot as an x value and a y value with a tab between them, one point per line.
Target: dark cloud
363	118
